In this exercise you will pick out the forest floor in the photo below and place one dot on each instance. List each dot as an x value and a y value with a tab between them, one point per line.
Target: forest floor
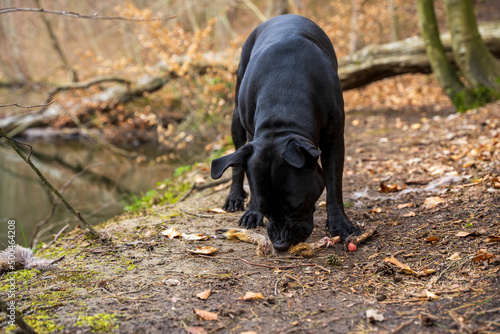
443	214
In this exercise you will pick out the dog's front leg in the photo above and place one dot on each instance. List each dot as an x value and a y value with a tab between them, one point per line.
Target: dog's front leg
332	159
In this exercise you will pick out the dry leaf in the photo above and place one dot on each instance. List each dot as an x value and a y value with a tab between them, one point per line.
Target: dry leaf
404	205
373	315
483	257
432	240
171	232
492	238
432	202
473	233
426	272
400	265
252	296
205	250
495	183
195	330
204	294
376	210
430	295
389	188
322	203
205	315
195	237
410	214
454	256
216	210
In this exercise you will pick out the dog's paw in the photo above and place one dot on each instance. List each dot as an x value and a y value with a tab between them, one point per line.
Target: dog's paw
235	202
342	227
251	219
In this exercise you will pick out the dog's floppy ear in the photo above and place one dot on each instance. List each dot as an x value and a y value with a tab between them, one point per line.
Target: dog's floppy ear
298	150
239	157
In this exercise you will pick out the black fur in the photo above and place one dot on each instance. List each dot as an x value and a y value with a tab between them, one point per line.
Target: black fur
289	111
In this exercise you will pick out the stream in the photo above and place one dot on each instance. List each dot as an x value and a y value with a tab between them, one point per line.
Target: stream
98	194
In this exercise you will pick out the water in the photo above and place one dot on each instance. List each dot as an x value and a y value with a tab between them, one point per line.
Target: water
98	194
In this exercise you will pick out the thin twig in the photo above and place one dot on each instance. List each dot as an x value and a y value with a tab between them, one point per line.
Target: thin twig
258	264
80	16
26	107
58	234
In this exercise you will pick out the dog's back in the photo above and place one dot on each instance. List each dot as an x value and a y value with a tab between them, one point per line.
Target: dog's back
289	62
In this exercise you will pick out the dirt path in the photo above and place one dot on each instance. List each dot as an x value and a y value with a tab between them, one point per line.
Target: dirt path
444	220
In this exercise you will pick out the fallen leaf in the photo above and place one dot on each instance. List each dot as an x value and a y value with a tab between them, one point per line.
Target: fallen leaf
400	265
205	250
171	282
171	232
410	214
426	272
483	257
430	295
195	237
495	183
472	233
204	294
454	256
216	210
389	188
195	330
376	210
492	238
373	315
404	205
252	296
432	240
432	202
205	315
322	203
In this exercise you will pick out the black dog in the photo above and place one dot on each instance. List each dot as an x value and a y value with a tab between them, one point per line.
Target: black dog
288	103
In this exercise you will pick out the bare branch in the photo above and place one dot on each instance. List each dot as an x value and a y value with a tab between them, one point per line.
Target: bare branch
26	107
79	16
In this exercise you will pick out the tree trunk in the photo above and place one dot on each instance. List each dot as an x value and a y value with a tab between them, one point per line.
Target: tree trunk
476	63
444	72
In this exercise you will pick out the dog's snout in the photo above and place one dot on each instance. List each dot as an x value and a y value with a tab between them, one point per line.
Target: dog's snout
281	245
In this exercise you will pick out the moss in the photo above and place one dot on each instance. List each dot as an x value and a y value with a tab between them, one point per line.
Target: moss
166	192
43	323
474	98
21	277
102	322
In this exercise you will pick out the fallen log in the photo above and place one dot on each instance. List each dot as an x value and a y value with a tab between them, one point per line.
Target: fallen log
376	62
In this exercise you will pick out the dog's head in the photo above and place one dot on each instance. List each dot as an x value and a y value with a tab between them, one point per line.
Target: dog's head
285	183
